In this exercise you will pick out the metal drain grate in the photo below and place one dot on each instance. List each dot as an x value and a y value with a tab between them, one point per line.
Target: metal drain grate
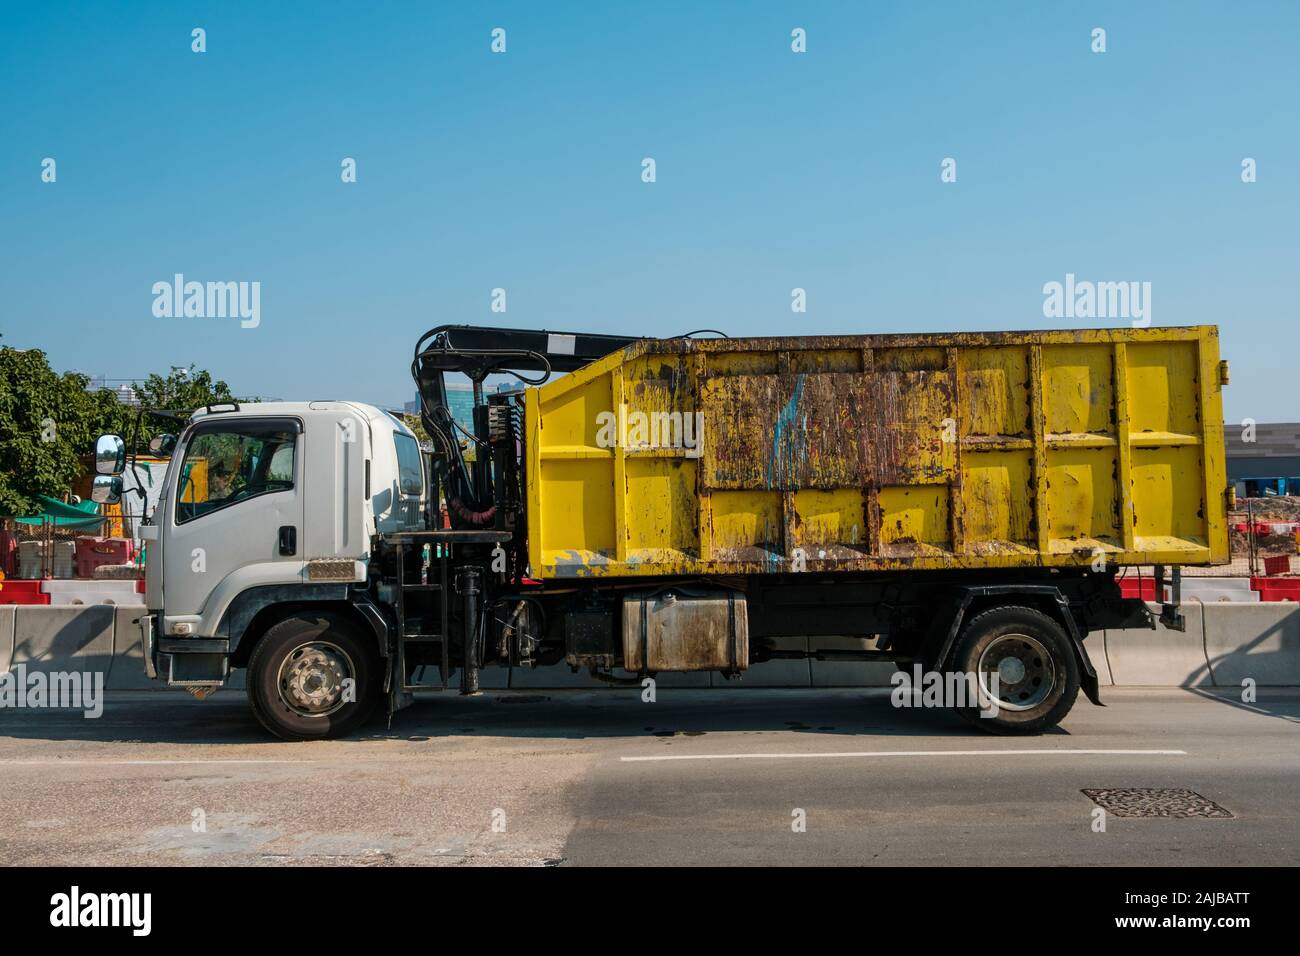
1155	802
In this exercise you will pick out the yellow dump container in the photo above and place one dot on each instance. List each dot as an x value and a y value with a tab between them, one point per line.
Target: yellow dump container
856	453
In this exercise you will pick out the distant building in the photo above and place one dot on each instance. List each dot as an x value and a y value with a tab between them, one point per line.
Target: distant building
123	389
1269	465
460	401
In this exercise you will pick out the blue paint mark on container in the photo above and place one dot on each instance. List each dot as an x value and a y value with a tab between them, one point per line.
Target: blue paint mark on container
787	440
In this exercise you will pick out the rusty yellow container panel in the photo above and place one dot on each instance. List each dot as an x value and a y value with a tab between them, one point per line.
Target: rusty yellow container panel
880	452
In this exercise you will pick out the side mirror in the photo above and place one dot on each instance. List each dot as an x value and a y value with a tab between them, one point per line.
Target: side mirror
106	489
162	445
110	455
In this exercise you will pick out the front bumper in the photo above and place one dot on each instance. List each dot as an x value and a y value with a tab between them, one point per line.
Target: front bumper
184	661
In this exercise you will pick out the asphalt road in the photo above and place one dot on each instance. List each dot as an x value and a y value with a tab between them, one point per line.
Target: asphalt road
598	777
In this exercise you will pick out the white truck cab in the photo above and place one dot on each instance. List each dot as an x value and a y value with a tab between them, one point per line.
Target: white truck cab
267	504
275	493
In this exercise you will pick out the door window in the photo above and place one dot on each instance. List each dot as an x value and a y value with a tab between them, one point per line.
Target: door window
409	474
224	466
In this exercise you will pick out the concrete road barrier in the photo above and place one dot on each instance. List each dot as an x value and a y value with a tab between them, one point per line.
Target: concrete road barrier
560	676
1139	657
101	637
78	593
540	678
1224	644
494	678
768	674
6	635
777	673
1095	645
48	638
850	673
1256	641
1219	590
128	651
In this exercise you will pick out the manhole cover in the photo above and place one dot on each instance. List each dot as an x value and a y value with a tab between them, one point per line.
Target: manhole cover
1155	802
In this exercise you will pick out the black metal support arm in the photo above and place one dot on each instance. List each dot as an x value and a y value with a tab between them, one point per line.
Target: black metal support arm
477	352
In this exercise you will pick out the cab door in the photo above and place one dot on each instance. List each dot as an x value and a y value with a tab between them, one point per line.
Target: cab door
234	517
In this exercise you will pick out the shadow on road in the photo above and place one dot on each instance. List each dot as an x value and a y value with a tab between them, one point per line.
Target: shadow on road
152	717
1280	704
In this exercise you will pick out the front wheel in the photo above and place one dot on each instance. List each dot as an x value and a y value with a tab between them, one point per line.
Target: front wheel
1025	666
313	676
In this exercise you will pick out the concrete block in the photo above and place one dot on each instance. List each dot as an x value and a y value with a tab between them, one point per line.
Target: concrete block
555	676
64	638
1140	657
850	673
1095	645
687	679
489	678
1257	641
77	592
781	673
1219	590
559	676
127	672
6	635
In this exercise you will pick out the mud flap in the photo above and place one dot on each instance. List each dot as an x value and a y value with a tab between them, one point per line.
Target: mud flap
1087	674
395	683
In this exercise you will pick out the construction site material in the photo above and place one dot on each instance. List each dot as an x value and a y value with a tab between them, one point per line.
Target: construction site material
1277	589
1279	564
13	591
91	553
87	592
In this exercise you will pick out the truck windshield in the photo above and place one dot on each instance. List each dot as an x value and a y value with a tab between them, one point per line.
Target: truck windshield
226	466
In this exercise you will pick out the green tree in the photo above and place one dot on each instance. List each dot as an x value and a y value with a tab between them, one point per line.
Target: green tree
414	423
182	389
48	421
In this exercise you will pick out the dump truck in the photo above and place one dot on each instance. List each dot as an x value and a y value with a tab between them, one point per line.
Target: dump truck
960	504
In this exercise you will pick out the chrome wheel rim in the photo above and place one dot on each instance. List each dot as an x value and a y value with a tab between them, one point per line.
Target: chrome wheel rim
312	678
1025	671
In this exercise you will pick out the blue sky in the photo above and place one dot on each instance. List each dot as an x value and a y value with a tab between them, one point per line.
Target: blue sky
523	171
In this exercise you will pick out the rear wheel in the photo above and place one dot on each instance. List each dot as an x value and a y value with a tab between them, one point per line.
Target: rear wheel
1025	666
313	676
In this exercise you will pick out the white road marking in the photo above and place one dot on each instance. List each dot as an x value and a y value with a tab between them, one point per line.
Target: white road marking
129	763
913	753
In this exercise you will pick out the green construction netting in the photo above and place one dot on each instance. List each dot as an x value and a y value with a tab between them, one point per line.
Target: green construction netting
78	517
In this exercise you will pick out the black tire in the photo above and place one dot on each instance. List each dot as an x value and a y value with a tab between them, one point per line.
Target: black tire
284	655
1048	686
